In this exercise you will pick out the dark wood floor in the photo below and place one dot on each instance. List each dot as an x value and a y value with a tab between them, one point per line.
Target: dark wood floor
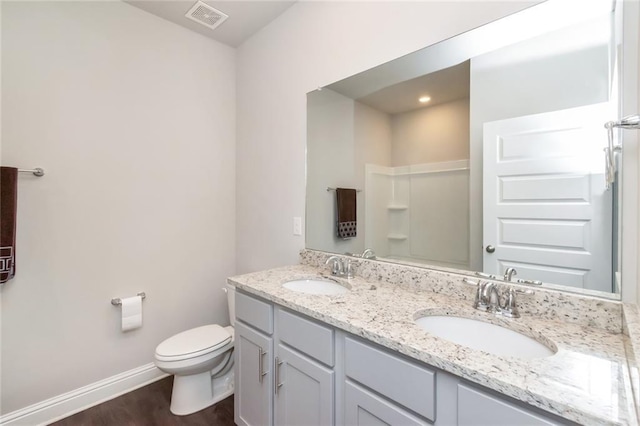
149	406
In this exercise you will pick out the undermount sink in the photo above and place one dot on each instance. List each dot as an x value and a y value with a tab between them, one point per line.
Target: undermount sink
315	286
484	336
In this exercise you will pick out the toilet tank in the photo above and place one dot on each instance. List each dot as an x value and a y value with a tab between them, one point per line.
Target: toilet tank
231	301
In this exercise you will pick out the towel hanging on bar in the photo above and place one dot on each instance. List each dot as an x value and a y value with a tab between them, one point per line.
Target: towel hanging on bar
346	226
8	208
329	189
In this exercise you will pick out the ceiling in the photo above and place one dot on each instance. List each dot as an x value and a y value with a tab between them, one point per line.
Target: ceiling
245	17
441	86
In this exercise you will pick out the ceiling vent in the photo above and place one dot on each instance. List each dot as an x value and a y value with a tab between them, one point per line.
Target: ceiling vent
204	14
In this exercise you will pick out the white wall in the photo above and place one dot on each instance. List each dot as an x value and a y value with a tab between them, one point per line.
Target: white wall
133	119
372	137
432	134
343	135
313	44
330	134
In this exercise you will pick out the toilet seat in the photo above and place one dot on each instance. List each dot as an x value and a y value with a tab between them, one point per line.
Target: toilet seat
193	343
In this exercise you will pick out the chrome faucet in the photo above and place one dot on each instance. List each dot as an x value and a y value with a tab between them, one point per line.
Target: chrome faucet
491	298
340	267
368	254
335	264
509	272
488	298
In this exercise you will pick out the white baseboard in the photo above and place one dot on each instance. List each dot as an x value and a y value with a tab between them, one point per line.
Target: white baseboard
69	403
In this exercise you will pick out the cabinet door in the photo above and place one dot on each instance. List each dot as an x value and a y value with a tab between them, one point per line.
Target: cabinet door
364	408
476	408
253	379
404	382
303	390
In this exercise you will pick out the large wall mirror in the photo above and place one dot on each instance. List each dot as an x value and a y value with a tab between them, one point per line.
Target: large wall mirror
485	151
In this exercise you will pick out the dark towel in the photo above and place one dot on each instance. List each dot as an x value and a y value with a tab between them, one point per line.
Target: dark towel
8	205
346	207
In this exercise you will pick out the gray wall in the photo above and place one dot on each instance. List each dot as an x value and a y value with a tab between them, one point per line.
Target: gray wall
133	119
311	45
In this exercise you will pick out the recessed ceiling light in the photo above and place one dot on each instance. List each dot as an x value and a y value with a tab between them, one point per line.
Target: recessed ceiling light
424	99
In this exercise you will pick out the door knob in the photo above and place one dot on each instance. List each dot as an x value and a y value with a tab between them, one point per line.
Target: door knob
490	249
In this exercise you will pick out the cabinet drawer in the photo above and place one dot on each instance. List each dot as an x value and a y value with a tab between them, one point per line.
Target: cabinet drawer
404	382
479	408
364	408
306	336
254	312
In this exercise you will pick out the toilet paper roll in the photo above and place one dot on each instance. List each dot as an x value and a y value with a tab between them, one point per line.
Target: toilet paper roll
131	313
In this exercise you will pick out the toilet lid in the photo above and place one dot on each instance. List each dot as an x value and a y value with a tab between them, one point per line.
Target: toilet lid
201	339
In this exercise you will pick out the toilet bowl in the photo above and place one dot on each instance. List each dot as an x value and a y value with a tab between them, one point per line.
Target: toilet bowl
201	361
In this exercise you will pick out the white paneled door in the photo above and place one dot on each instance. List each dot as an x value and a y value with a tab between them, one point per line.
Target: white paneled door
546	210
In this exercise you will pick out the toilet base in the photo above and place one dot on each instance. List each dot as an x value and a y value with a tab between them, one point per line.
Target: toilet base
198	391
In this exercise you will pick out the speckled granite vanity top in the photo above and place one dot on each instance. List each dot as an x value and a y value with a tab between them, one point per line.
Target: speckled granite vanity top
586	381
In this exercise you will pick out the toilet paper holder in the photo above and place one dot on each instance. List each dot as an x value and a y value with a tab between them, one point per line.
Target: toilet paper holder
116	301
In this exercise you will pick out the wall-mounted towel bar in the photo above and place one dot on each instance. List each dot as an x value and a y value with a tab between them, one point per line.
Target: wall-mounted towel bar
630	122
36	172
333	189
117	301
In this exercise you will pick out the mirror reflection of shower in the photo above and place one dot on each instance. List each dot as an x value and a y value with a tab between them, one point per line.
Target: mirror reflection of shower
422	167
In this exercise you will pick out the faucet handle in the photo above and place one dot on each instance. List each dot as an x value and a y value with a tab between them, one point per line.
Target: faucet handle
336	265
349	269
510	309
470	282
483	275
529	282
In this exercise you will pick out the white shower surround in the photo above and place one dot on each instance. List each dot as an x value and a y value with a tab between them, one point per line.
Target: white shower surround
419	213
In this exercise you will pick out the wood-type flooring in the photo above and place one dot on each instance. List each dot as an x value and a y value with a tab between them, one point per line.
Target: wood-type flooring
149	406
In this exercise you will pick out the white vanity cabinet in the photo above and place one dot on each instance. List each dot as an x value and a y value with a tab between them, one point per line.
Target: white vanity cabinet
317	375
304	371
383	388
253	399
480	408
284	373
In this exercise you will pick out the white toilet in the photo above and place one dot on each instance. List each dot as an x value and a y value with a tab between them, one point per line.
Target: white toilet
201	360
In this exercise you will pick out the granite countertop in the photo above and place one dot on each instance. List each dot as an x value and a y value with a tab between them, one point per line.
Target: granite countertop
586	381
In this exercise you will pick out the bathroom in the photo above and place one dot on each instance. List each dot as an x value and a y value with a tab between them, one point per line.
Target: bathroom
172	162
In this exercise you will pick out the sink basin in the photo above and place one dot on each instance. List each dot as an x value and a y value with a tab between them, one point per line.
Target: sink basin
315	286
484	336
